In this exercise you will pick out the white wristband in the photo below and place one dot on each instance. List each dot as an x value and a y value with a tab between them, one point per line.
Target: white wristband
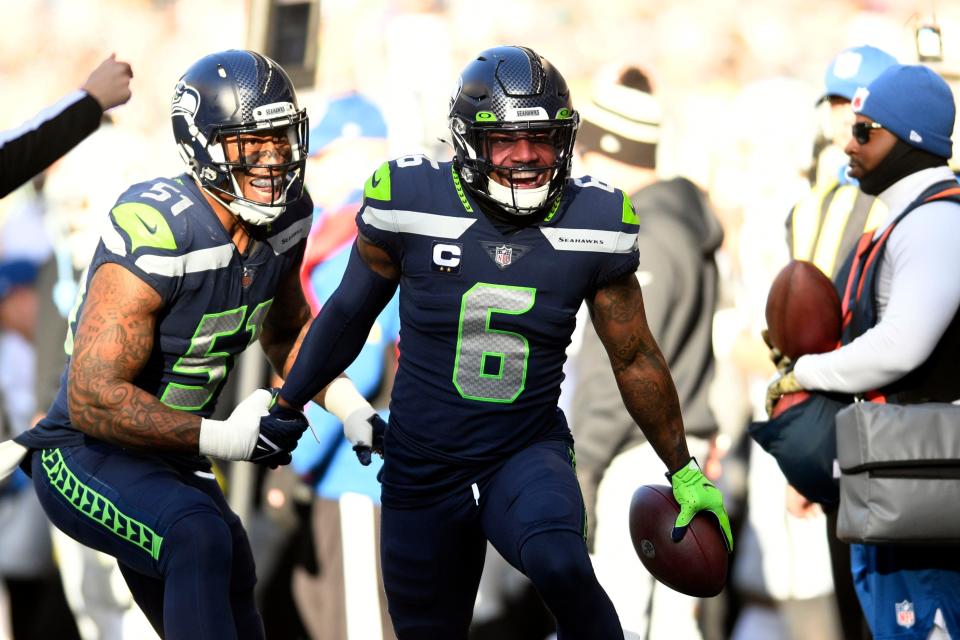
342	399
222	439
235	437
352	409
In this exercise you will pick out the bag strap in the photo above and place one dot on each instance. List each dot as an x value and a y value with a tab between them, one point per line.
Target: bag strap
866	254
946	193
866	246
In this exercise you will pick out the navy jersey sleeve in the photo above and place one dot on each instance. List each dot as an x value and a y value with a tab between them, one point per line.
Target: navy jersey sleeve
624	256
377	219
147	236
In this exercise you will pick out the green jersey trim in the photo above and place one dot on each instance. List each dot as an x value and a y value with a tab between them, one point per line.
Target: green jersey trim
459	188
144	225
377	186
629	213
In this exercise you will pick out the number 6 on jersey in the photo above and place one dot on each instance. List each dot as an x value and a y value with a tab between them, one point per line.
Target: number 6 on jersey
491	364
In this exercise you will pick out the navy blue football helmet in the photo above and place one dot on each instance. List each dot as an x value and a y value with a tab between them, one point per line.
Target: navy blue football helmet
506	90
230	93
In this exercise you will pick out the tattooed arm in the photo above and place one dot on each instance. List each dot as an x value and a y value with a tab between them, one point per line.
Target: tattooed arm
113	341
639	368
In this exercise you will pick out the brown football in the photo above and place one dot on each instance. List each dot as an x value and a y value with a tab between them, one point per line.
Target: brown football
803	311
697	565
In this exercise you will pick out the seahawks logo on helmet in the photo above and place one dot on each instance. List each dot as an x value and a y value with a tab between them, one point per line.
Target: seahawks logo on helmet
222	97
185	104
186	101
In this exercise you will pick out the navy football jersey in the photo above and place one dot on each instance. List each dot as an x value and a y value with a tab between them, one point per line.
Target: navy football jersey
215	299
487	312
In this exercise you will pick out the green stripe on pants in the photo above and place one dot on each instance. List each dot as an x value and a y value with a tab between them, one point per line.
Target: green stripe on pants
96	507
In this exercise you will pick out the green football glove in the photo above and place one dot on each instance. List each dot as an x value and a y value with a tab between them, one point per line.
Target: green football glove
786	383
695	493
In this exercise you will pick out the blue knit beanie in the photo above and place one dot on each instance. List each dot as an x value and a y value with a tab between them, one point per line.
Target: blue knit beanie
913	103
852	68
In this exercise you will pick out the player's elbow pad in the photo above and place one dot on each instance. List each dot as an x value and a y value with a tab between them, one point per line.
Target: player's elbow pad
339	331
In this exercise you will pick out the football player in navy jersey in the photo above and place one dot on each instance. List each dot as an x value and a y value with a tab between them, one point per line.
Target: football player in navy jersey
188	272
493	254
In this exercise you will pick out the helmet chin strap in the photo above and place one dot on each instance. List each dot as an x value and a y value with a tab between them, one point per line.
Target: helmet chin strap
257	215
530	199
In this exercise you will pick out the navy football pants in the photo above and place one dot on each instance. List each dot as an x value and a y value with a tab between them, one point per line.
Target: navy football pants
532	512
182	551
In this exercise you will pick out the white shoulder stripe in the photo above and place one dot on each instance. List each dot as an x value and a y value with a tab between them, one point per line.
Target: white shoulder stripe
112	239
289	237
592	240
46	115
193	262
417	222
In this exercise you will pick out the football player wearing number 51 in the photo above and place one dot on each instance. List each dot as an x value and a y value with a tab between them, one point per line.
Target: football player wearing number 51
189	271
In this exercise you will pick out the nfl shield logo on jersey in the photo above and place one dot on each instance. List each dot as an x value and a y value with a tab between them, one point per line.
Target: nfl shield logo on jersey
905	615
247	278
504	256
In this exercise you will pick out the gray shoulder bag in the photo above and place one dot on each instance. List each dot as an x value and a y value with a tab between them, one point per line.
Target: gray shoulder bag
900	473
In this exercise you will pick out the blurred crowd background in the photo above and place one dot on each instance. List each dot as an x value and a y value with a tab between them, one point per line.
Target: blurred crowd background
738	82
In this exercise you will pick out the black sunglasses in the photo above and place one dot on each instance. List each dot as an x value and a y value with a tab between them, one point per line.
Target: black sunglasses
861	131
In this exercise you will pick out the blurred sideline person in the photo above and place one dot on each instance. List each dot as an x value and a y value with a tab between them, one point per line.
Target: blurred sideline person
901	339
677	238
37	143
823	229
493	254
347	142
38	607
189	271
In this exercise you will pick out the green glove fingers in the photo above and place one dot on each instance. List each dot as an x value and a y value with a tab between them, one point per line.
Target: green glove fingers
694	493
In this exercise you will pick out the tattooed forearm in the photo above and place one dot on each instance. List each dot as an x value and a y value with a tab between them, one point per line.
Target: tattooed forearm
114	339
640	369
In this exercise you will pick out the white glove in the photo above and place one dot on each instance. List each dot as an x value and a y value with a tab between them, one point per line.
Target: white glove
235	437
11	454
358	428
344	401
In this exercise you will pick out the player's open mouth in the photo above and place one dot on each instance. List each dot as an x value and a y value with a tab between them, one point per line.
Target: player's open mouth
267	186
528	179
